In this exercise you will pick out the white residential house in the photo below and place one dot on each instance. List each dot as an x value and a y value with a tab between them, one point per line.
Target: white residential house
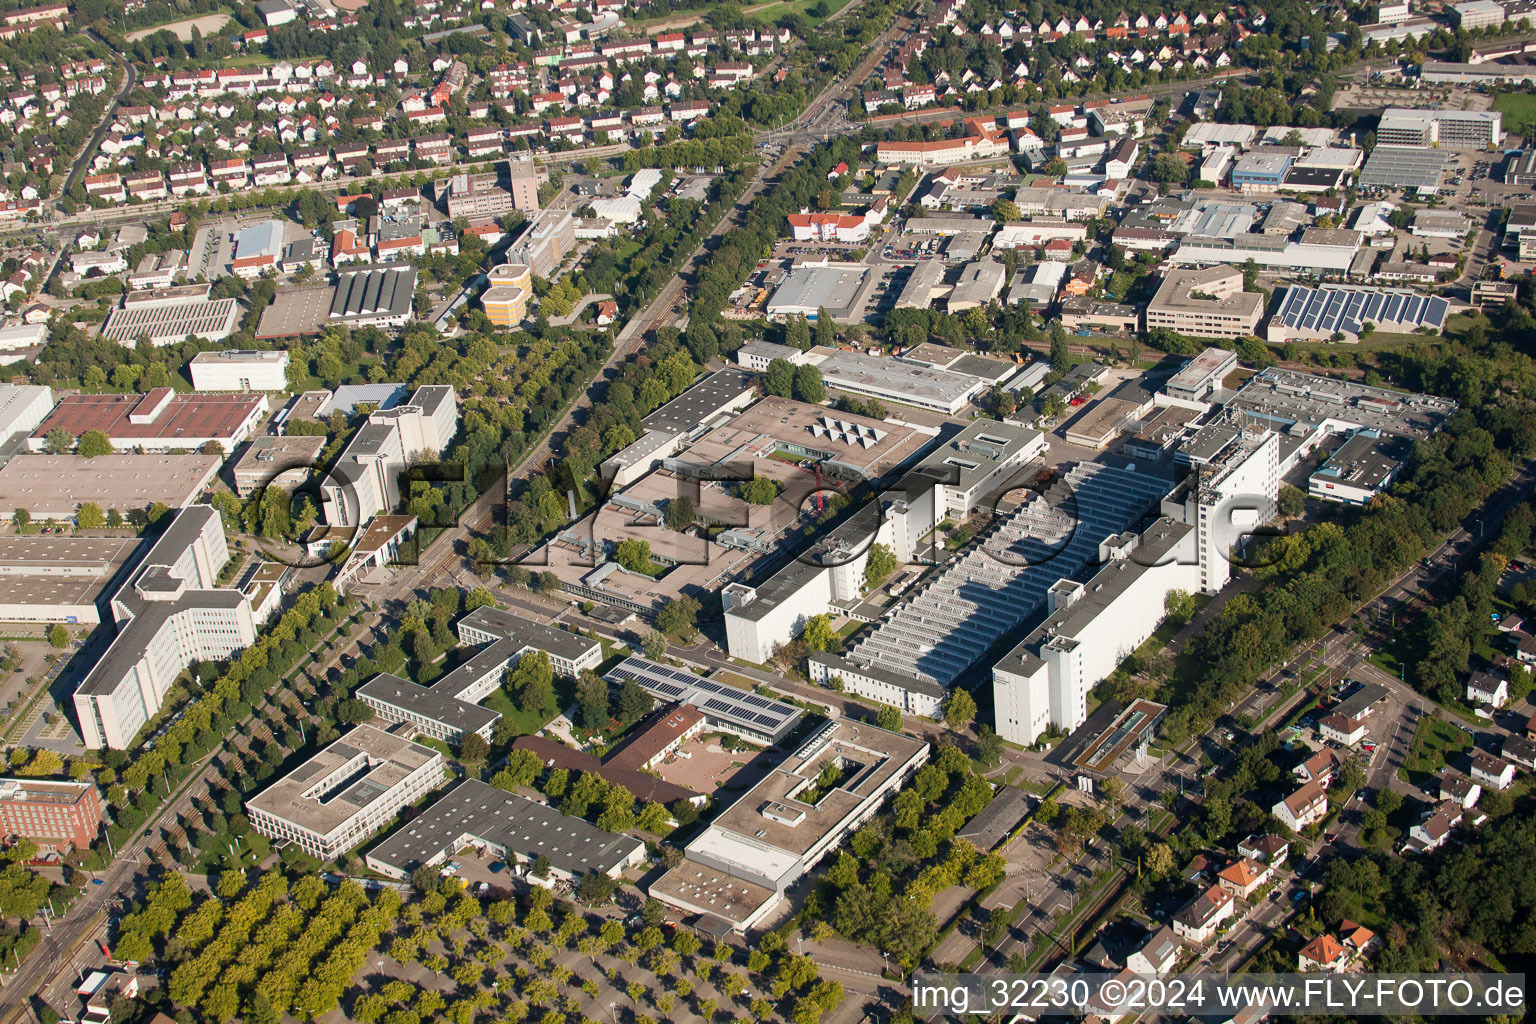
1303	807
1486	688
1493	772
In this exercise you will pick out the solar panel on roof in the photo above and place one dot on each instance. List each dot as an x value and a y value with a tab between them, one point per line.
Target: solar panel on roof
1435	312
1414	305
1335	304
716	704
767	720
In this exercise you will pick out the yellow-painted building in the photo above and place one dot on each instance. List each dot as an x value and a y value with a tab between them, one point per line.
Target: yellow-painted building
506	300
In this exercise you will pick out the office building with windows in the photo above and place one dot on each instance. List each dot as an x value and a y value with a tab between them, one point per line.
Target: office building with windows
168	616
346	792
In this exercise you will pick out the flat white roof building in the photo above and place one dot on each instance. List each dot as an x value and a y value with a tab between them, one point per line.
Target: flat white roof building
1206	303
1203	374
240	370
1447	129
739	868
1091	627
22	408
169	322
23	336
366	478
892	380
346	792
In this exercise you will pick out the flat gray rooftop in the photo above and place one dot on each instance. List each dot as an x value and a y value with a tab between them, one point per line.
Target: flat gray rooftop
526	632
296	312
428	702
689	409
60	571
1286	398
856	371
473	810
978	451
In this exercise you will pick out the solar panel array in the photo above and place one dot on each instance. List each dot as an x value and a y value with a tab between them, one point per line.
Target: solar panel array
729	705
1327	310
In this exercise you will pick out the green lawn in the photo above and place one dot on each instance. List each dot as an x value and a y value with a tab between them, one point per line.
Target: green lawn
528	724
1519	110
1434	743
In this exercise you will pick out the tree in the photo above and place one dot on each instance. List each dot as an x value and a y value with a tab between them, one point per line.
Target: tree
679	514
1293	501
779	379
1061	356
879	565
678	616
533	681
959	708
760	490
634	702
94	443
596	889
818	633
89	516
809	386
21	518
58	441
1180	605
1005	209
1169	168
478	598
989	746
474	749
1159	862
826	330
58	636
654	644
888	717
634	554
592	696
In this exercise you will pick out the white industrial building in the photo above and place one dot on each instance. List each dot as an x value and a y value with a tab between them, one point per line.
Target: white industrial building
22	408
951	481
168	616
240	370
738	870
1234	490
892	380
18	336
1362	467
366	478
955	616
1090	628
346	792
